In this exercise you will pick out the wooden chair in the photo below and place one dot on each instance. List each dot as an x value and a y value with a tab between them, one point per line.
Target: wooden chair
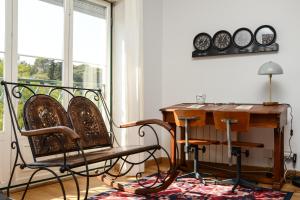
187	119
238	122
69	140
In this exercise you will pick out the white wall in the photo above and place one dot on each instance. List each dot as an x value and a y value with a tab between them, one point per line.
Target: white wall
226	78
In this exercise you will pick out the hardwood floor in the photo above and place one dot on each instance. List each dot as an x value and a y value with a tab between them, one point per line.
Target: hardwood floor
52	190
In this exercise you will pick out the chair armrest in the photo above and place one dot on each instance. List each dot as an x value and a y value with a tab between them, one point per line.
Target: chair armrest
163	124
147	121
46	131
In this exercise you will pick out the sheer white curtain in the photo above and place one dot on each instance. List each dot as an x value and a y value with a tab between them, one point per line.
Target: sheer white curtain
128	70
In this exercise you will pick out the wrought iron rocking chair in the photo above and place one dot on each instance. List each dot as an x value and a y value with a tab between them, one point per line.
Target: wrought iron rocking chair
78	137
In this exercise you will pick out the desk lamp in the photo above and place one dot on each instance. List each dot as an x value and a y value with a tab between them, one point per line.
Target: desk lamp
270	68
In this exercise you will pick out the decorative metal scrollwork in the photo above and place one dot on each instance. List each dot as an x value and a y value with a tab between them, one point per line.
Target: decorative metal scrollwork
46	117
96	95
142	133
18	93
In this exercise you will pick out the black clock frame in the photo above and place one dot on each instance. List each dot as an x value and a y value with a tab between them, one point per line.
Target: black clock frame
204	34
214	38
236	32
261	27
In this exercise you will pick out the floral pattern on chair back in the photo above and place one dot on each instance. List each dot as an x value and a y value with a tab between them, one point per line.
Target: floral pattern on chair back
42	111
88	123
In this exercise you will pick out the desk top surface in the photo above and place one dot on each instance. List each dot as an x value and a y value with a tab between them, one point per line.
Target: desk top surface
210	107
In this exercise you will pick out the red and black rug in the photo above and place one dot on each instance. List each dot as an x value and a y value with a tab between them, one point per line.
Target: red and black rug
191	188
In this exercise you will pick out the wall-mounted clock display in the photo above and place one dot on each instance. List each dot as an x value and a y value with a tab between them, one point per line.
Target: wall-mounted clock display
202	42
265	35
243	41
222	40
242	38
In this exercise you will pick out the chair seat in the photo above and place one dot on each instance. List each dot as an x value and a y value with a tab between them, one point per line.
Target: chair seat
245	144
96	156
199	142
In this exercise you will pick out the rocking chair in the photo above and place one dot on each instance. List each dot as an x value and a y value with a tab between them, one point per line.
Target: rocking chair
78	137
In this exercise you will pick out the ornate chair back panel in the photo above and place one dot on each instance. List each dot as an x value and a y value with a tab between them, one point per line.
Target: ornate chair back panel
88	123
239	120
196	118
42	111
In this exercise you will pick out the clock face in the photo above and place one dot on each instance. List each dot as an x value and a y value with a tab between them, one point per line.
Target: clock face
242	38
265	35
222	40
202	42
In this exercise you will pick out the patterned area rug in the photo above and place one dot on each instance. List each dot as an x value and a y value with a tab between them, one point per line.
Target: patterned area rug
191	188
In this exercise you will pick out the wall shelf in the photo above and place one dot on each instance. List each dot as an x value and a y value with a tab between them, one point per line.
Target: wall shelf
254	48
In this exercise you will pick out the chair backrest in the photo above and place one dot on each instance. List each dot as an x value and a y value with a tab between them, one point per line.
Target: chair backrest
42	111
239	121
194	117
34	106
88	123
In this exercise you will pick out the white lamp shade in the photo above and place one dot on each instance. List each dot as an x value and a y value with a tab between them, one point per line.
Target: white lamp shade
270	68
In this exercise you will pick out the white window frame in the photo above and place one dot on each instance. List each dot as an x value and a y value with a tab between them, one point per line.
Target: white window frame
11	42
11	65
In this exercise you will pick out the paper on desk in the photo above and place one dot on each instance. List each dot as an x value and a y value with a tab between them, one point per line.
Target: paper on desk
195	106
244	107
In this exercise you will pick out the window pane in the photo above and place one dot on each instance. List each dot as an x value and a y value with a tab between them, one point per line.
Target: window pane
88	76
2	24
89	44
40	46
40	26
40	40
40	70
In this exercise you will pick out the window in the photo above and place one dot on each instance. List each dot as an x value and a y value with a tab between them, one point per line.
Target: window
40	45
40	41
89	44
2	33
56	42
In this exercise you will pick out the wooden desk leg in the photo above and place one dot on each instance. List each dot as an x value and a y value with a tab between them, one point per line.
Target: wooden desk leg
173	149
180	146
278	169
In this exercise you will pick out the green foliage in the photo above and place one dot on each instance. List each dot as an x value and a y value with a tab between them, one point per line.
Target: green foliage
24	70
55	70
43	69
78	72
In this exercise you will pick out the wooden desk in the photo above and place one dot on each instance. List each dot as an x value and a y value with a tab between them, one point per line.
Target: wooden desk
260	117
